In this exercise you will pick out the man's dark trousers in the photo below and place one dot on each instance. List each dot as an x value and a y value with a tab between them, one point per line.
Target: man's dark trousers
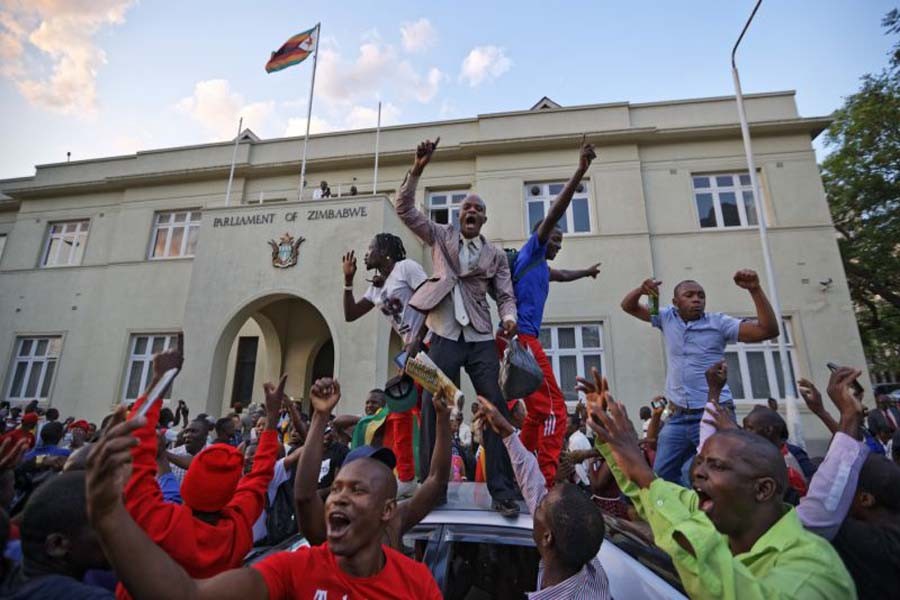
480	361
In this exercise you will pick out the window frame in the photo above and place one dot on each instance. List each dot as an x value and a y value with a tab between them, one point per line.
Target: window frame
187	225
81	235
579	351
146	358
3	239
42	385
769	349
449	206
715	190
546	199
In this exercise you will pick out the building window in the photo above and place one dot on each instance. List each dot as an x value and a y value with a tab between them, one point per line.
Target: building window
2	244
754	369
443	207
175	234
65	243
573	350
33	368
539	197
140	356
724	200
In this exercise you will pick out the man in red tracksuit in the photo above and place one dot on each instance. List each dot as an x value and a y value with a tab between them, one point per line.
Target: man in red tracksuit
213	530
545	424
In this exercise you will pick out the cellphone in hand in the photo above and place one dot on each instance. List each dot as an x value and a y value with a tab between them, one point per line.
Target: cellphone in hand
661	403
856	385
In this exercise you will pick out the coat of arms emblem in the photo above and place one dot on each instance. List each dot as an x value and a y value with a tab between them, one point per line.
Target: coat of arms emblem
284	251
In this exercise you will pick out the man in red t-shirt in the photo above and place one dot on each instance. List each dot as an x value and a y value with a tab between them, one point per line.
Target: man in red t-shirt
24	432
353	564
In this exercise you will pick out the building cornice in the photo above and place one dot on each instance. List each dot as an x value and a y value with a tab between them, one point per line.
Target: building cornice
25	188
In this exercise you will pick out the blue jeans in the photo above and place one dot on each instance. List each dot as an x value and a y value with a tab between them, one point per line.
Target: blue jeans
677	445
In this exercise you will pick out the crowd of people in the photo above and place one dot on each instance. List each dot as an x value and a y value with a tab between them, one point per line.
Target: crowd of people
155	504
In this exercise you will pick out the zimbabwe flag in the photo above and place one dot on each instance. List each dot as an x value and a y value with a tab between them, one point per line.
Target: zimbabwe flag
293	51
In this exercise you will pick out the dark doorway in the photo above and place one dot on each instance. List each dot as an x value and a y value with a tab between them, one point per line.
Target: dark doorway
323	365
244	369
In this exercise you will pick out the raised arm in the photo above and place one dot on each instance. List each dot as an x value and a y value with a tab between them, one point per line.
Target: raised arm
524	463
143	496
426	496
250	496
632	301
155	575
564	276
832	488
715	418
765	325
352	309
561	202
813	400
411	216
309	506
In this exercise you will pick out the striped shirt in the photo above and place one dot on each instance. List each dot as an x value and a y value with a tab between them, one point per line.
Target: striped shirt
588	583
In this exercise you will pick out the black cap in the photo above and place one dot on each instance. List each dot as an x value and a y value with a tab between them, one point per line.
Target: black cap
382	455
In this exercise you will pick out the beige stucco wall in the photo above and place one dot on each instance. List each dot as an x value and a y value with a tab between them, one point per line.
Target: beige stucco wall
641	204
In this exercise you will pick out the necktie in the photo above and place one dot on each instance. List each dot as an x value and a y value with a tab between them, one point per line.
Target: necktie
466	257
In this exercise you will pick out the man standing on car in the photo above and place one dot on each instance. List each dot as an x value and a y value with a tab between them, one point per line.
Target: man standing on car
544	429
466	268
695	340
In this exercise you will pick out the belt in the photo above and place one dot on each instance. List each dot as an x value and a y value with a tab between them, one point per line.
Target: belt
680	410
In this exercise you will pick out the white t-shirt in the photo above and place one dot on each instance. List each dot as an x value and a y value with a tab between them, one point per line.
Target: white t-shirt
393	297
579	441
280	476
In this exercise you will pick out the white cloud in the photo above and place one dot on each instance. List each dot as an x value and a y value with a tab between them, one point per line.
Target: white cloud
217	108
296	126
484	63
377	68
63	31
418	36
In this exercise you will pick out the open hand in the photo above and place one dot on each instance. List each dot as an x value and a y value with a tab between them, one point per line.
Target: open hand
324	395
596	392
109	466
348	264
424	152
747	279
493	418
614	428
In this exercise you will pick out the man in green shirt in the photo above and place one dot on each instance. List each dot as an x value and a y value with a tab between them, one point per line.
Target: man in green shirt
731	536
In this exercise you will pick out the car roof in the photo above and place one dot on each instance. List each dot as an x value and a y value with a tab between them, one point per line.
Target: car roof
470	503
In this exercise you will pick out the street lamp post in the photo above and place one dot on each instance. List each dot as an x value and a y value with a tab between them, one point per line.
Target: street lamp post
793	417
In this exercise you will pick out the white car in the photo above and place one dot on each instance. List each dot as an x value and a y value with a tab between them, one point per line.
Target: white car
473	552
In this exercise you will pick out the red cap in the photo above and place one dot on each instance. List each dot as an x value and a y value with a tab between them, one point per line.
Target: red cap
81	424
30	419
212	478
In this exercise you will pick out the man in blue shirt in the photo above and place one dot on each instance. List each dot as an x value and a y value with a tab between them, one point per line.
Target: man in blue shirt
51	434
544	429
695	340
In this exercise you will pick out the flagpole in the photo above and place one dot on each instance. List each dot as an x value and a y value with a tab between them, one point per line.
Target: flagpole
237	140
377	135
312	86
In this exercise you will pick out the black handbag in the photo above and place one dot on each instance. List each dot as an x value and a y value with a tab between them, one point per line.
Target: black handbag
520	374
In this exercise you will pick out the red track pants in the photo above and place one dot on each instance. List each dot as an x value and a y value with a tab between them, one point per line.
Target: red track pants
398	436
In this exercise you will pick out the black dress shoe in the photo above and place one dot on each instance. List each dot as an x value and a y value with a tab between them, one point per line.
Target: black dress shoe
507	508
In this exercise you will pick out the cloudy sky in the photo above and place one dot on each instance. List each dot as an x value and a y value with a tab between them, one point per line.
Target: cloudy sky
108	77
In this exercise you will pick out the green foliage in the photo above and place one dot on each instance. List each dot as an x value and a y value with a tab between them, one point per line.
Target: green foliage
862	182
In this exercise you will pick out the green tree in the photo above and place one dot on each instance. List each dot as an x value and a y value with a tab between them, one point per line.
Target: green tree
862	182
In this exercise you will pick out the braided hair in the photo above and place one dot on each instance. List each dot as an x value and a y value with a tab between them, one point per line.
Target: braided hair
390	246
